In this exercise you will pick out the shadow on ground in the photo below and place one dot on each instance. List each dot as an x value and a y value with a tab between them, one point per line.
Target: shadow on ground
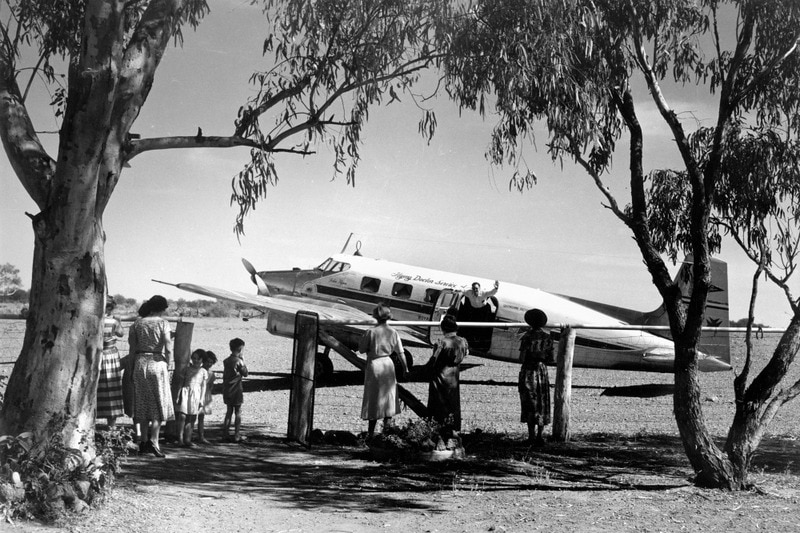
346	478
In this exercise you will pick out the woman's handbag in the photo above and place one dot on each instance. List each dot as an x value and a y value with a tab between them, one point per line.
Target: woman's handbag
399	368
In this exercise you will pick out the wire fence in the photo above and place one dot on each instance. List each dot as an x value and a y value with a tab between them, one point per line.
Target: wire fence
602	400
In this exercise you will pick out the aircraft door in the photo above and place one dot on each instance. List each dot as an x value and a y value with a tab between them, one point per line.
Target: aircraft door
446	302
479	339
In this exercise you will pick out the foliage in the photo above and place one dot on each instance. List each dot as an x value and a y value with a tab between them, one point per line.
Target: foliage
334	59
47	479
420	435
572	69
10	281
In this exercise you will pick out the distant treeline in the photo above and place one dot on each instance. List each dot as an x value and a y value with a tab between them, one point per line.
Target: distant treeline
742	323
183	307
128	306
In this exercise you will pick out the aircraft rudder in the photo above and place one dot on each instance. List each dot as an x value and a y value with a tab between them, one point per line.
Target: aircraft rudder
717	314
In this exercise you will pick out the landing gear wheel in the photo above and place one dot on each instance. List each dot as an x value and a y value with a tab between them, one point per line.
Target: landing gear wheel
323	368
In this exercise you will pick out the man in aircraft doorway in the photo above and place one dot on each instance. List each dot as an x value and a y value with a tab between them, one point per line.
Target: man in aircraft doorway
478	307
478	298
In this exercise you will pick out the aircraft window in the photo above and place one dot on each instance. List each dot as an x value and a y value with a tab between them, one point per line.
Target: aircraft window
325	265
402	290
340	267
431	295
370	284
449	299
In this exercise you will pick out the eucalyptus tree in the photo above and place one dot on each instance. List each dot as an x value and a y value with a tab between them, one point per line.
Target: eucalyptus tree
10	281
328	55
582	71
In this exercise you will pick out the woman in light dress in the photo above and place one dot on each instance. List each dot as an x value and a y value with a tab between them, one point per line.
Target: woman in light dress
380	383
151	346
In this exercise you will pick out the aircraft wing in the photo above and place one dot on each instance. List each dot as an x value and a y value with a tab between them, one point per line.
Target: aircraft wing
339	316
333	312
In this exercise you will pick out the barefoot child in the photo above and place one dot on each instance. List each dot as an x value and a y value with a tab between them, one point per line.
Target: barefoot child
190	397
209	360
234	370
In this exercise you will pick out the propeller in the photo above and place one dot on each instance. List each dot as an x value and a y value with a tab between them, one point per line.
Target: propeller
251	269
255	278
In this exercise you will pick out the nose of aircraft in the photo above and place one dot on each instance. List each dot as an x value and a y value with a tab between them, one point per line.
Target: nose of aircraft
287	281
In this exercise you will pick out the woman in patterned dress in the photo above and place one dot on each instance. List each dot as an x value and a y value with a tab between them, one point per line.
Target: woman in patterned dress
150	343
380	382
536	348
109	387
444	393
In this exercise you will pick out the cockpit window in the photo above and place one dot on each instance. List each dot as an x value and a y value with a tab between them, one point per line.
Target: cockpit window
340	267
370	284
402	290
325	265
329	265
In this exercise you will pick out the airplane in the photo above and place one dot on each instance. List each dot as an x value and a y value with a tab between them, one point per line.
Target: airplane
344	289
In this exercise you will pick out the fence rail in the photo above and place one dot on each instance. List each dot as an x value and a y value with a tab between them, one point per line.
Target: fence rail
488	388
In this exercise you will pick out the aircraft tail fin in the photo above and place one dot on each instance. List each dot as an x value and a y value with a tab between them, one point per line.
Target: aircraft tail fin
715	343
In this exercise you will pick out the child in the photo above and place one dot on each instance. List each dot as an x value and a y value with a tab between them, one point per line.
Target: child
234	370
190	397
209	360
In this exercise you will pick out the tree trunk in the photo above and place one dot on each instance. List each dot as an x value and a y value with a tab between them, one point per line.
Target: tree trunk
758	405
743	438
54	382
711	466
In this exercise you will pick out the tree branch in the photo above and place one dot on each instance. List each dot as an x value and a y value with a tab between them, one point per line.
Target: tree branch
779	282
740	381
664	109
598	181
138	65
766	71
30	161
168	143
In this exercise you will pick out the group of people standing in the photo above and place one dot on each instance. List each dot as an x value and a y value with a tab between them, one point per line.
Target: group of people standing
381	401
138	385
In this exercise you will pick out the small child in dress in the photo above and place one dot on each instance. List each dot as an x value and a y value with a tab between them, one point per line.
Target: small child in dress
190	397
209	360
234	370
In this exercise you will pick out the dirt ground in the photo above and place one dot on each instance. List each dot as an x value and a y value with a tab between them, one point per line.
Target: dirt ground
605	483
624	470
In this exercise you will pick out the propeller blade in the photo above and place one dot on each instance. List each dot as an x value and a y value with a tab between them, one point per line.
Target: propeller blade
251	269
255	278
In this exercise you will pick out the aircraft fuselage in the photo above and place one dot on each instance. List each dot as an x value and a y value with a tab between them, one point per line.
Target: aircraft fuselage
419	294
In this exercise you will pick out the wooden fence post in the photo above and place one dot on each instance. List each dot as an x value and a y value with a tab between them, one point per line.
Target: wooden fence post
563	392
181	353
301	396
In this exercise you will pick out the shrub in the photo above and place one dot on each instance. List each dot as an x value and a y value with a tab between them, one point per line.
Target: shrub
47	480
421	435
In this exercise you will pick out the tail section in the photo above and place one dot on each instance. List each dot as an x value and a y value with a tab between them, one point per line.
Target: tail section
714	343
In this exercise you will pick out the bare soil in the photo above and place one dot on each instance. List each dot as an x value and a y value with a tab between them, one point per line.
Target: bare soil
623	470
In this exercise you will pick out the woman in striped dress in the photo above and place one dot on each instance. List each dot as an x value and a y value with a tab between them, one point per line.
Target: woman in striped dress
151	346
109	387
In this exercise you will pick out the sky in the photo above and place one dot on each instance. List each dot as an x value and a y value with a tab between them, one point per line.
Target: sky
439	205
